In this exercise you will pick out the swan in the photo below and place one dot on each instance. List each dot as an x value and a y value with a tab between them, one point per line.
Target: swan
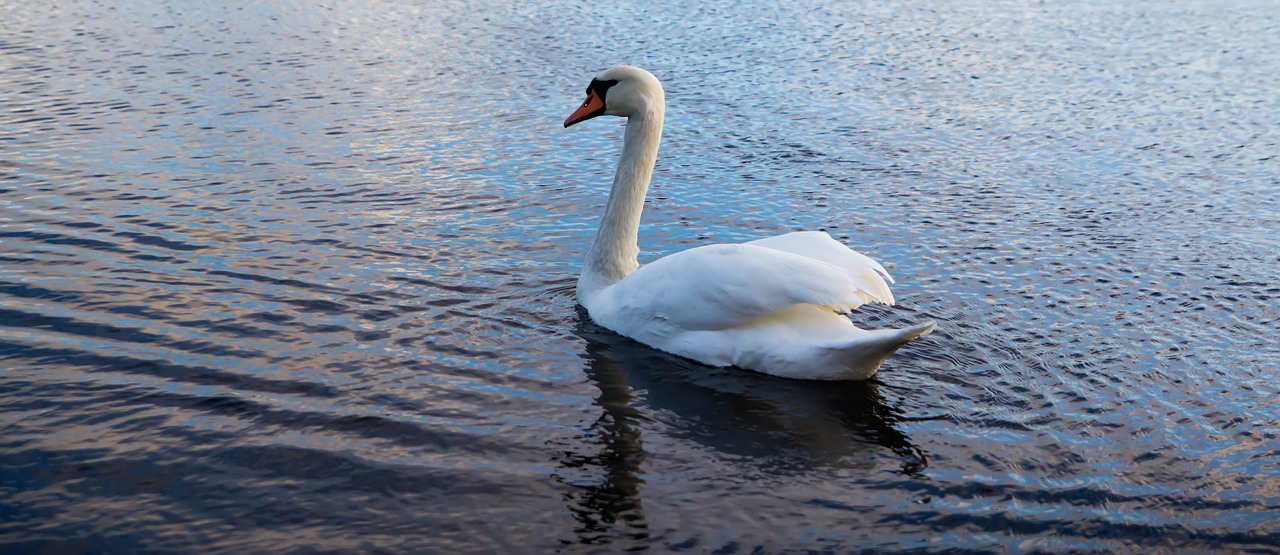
773	305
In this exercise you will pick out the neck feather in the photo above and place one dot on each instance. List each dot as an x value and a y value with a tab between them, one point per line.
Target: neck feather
615	251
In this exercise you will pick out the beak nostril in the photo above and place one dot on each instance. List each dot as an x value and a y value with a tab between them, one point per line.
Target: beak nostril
591	107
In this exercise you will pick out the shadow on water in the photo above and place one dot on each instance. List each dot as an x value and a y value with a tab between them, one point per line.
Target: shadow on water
775	426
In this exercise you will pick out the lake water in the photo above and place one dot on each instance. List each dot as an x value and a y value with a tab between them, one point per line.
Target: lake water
299	277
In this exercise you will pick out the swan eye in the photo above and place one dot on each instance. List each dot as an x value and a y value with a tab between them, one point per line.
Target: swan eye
601	88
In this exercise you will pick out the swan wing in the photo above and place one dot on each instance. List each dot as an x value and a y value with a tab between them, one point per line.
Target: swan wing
868	274
723	286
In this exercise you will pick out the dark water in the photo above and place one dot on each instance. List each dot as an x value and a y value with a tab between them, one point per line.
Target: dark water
282	276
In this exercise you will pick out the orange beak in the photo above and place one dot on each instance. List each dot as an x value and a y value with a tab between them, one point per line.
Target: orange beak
591	107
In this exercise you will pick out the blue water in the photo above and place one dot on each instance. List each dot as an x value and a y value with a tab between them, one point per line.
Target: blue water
299	277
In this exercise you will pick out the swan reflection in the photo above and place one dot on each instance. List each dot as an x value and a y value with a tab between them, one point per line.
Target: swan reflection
784	426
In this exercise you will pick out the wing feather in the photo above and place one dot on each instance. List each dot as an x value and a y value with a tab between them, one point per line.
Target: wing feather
723	286
869	275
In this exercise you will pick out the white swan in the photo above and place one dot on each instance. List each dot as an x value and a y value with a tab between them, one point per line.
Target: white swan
770	305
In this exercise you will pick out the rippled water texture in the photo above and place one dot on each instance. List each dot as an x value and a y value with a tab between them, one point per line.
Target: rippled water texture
280	276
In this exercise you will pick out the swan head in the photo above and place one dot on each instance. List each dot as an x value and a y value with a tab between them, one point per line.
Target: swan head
619	91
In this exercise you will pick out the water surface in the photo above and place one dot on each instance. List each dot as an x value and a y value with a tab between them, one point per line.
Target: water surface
300	277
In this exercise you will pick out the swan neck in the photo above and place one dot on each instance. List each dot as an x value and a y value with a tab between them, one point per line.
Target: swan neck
615	252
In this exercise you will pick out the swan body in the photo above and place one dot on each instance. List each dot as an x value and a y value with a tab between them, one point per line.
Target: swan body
773	305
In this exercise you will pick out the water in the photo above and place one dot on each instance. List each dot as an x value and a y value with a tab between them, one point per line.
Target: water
296	277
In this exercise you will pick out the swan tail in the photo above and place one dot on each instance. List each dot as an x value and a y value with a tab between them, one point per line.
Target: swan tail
862	357
917	330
